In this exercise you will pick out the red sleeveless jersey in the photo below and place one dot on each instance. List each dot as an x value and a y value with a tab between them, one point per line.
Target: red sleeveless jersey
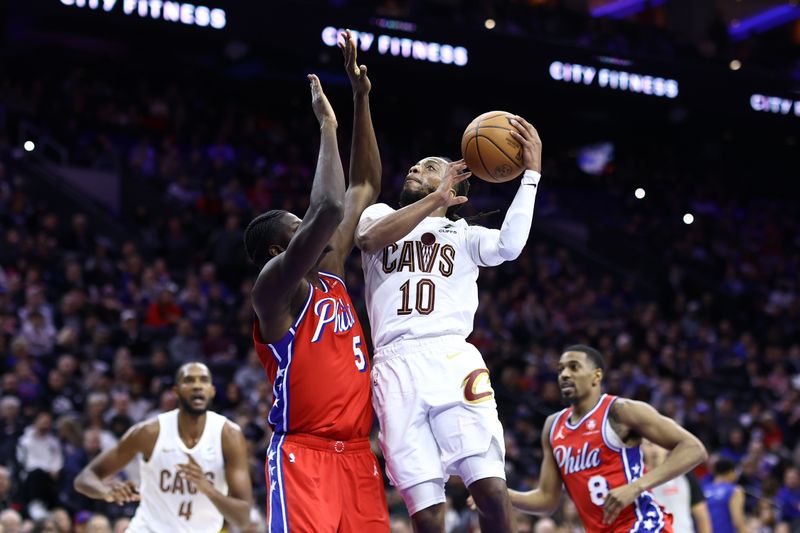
592	461
320	368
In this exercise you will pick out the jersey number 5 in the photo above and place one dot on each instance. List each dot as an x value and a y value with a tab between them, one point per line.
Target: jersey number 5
361	361
425	297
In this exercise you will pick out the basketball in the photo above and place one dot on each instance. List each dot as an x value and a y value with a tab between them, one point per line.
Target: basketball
489	150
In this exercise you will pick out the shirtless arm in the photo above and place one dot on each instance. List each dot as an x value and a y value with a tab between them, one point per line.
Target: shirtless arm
685	452
546	497
139	439
365	161
279	282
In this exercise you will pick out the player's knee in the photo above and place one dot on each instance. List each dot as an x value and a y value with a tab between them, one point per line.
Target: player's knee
491	496
429	520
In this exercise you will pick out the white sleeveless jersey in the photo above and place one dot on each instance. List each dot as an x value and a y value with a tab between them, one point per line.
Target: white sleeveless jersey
169	503
424	285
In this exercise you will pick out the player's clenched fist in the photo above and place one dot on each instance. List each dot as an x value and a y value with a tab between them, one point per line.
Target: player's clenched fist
122	492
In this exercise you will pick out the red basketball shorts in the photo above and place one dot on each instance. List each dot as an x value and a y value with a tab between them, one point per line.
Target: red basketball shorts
319	485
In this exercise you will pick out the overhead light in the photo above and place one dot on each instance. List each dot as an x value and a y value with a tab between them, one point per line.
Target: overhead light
639	193
490	24
29	146
688	218
735	64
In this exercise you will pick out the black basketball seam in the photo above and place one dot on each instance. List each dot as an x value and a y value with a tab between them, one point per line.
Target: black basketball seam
478	150
495	115
501	151
497	127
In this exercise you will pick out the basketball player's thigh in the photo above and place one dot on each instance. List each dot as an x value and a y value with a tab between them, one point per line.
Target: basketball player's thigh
300	485
363	500
464	414
405	437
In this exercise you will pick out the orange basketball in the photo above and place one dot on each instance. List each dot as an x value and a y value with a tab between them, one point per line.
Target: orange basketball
489	150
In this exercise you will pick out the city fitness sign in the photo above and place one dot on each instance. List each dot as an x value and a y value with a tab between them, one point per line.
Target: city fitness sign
178	12
402	47
617	80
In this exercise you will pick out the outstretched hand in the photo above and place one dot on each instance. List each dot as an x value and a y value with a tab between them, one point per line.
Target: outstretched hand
319	102
454	175
528	137
357	73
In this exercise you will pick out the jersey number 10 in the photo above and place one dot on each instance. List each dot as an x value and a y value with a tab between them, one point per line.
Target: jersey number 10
425	297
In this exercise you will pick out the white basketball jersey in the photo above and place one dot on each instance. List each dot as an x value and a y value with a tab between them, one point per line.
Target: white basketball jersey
169	503
675	496
424	285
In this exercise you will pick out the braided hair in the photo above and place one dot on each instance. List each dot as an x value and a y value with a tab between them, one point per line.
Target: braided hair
262	232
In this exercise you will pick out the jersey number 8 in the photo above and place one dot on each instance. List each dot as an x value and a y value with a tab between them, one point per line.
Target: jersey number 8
598	489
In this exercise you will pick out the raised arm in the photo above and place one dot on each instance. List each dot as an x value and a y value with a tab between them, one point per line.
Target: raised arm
372	236
279	280
365	160
492	247
90	482
685	451
546	497
234	506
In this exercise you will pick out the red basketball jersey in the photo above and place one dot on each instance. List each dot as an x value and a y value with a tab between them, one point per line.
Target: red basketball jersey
592	461
320	368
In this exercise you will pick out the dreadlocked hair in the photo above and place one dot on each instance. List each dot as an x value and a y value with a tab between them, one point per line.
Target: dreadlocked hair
474	219
262	232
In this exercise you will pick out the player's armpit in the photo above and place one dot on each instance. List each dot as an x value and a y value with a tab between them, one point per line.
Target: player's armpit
356	200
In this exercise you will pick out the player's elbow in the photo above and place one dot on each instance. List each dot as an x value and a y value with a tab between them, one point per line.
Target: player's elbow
79	483
508	253
331	211
698	450
367	242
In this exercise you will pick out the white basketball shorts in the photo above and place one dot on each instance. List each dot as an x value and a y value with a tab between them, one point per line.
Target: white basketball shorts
435	405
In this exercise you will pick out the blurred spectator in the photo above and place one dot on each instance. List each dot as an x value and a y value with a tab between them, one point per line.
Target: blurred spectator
5	487
725	499
11	427
98	524
11	521
40	458
184	346
789	497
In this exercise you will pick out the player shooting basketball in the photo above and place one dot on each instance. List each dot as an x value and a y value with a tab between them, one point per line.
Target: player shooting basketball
431	388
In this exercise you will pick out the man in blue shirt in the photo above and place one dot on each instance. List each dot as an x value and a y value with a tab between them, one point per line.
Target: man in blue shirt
789	496
725	499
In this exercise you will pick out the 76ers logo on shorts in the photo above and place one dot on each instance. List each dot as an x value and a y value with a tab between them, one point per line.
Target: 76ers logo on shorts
333	311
